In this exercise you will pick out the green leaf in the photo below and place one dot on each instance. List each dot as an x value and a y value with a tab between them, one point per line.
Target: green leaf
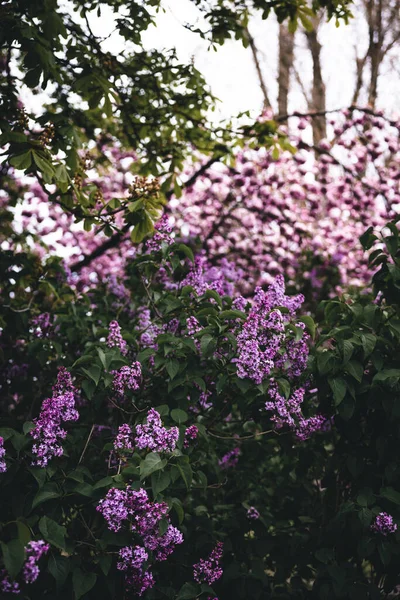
179	416
59	567
43	165
188	591
172	367
48	492
368	341
160	481
390	494
325	555
82	582
93	373
13	556
355	369
21	161
309	323
52	532
338	387
387	374
232	314
186	473
150	464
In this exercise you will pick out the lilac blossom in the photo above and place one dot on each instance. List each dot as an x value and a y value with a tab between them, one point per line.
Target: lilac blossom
48	432
192	325
288	412
191	434
162	234
115	339
131	558
143	518
253	513
153	436
3	465
230	459
262	336
149	330
127	378
34	551
6	585
42	325
384	524
140	582
123	440
208	570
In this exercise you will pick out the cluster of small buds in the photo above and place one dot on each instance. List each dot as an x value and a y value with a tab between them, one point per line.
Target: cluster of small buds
23	120
253	513
42	325
115	339
123	441
34	551
191	434
384	524
143	517
47	135
208	570
127	378
230	459
192	325
162	234
154	436
3	465
142	187
48	432
262	336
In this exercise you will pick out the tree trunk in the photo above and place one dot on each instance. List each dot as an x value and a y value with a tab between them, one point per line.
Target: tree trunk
285	61
318	95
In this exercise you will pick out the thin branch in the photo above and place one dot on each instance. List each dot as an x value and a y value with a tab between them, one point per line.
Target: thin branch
254	51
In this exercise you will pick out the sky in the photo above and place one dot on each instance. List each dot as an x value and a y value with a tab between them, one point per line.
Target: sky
230	71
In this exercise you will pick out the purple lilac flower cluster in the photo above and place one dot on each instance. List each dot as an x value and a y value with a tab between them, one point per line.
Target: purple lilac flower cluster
149	330
162	234
192	325
144	518
30	572
115	339
127	378
253	513
42	325
34	551
3	465
230	459
384	524
153	436
6	585
123	441
191	434
262	336
202	276
48	432
288	412
208	570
